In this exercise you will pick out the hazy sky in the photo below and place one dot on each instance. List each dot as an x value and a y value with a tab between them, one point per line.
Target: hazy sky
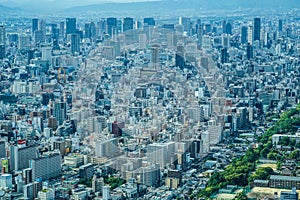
55	5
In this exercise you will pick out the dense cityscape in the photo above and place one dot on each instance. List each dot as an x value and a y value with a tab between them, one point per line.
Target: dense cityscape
167	108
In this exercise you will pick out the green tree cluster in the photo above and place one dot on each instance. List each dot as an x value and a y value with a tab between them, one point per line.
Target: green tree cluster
240	171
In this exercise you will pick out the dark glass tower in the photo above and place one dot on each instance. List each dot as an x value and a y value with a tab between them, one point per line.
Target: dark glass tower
35	25
70	25
149	21
244	35
257	27
127	24
111	23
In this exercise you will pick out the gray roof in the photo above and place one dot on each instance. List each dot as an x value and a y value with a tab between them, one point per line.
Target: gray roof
285	178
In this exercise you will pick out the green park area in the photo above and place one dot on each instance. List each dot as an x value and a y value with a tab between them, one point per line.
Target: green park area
244	170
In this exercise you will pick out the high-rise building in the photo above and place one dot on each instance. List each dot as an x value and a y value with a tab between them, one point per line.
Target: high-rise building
215	131
71	26
111	25
46	167
149	21
97	184
155	60
24	42
2	51
2	149
244	35
149	175
250	35
127	24
39	37
62	28
2	34
27	175
280	25
86	172
34	25
60	111
224	55
47	53
106	193
250	53
142	41
6	181
160	153
186	23
75	43
20	156
228	28
107	148
257	29
87	30
179	57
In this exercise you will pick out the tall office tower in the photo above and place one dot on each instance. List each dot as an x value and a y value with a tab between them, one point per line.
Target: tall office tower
94	30
155	60
75	43
244	35
111	25
70	26
39	37
200	34
62	29
280	25
27	175
226	40
47	53
228	28
34	25
224	56
179	56
46	167
149	21
20	156
257	28
142	41
2	35
186	22
127	24
42	26
87	30
2	149
250	35
2	51
101	26
224	26
24	42
60	111
249	51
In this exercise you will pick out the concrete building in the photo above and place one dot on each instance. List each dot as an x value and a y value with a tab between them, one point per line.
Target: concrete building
46	167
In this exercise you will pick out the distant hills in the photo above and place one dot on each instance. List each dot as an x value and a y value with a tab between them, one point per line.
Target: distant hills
164	6
147	8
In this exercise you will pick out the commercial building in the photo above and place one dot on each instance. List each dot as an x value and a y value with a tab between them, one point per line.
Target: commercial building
46	167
